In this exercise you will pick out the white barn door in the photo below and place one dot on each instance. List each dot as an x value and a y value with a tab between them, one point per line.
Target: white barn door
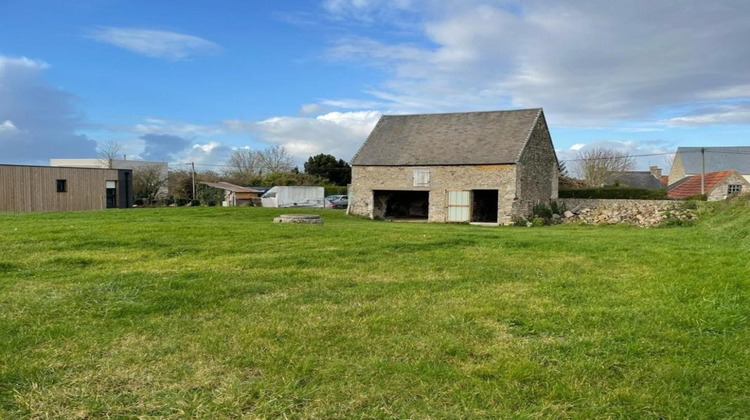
458	206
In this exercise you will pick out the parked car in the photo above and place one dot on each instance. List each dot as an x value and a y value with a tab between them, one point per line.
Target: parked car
337	201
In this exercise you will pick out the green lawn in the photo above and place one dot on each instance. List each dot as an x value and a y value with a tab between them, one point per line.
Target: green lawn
218	313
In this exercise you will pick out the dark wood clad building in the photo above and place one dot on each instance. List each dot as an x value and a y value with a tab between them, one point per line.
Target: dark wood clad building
46	188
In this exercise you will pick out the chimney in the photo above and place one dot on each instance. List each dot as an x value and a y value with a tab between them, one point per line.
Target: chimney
655	171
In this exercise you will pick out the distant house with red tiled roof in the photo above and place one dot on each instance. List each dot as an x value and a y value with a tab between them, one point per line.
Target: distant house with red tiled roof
717	186
695	160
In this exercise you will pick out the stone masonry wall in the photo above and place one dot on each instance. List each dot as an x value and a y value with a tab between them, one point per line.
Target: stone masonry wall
644	213
677	171
720	191
365	179
537	170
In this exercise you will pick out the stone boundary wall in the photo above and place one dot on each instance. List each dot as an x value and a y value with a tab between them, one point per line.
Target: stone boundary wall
643	213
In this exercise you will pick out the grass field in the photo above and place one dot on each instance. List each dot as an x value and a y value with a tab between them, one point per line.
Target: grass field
217	313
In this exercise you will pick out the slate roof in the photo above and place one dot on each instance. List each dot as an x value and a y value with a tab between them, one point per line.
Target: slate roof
635	179
231	187
467	138
691	185
717	159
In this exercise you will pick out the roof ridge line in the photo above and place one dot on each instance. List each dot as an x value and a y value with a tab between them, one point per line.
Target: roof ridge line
462	112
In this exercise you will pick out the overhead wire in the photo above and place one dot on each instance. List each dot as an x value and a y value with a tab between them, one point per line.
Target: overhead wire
697	150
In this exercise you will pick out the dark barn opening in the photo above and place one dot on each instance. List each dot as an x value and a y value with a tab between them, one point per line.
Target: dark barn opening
484	206
401	204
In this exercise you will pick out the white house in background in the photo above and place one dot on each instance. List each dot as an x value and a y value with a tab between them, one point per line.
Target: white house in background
135	165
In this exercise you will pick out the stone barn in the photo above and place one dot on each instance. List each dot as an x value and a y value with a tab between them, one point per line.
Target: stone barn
489	167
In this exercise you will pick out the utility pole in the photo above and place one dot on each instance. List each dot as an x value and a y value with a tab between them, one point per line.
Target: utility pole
703	170
192	172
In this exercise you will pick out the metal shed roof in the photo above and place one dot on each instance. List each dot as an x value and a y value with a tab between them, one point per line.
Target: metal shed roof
717	159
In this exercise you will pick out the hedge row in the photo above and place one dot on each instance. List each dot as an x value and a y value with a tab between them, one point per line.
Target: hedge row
615	193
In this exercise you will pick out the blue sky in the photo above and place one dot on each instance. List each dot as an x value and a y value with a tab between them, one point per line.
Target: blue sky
190	81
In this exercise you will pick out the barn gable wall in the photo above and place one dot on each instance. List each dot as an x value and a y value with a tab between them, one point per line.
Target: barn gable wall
537	180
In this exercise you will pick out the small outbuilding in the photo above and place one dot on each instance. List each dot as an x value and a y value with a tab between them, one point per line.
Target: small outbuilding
717	186
489	167
235	195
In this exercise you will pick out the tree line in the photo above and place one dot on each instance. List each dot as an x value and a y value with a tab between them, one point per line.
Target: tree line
274	166
245	167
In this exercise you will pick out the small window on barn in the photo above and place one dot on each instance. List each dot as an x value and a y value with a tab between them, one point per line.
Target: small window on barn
62	185
422	177
734	189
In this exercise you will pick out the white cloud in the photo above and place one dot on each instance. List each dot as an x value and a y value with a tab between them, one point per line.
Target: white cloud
585	62
167	45
640	129
207	147
646	153
39	120
175	128
336	133
8	127
365	10
307	109
721	114
209	153
21	64
353	104
378	53
163	147
239	125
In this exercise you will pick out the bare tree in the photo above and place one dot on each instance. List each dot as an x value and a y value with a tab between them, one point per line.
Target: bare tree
245	165
108	152
148	182
276	159
596	164
668	162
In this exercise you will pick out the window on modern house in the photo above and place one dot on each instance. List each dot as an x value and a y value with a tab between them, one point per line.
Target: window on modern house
422	177
734	188
62	185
